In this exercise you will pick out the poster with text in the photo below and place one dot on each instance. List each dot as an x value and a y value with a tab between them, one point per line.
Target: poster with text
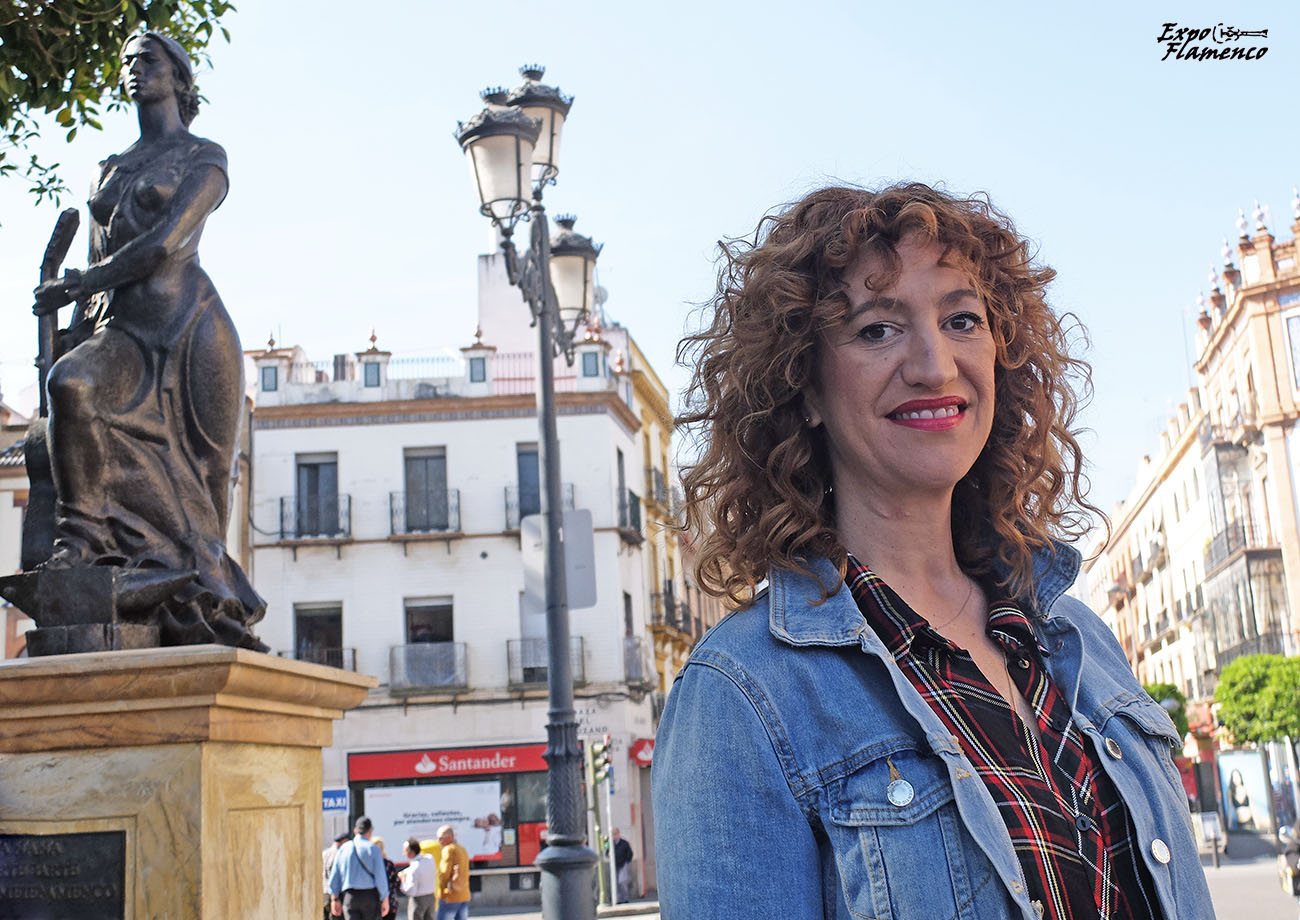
472	809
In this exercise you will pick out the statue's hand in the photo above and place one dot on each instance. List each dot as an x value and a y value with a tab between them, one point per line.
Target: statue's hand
58	292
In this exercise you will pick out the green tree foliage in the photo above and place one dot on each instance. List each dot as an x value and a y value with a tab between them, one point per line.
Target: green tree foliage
1162	692
1259	697
59	67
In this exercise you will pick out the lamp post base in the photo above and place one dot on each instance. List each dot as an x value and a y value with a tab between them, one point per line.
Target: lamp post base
568	882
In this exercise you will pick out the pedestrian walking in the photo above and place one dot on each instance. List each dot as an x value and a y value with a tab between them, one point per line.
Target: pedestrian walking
390	872
327	857
622	862
453	877
419	882
358	883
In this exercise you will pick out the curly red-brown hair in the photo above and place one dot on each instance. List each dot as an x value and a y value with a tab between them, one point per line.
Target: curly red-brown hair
759	493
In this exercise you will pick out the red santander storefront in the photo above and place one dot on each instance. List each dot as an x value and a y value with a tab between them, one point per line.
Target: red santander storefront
493	796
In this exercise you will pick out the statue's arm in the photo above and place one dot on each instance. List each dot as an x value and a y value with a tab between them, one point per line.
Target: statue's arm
197	197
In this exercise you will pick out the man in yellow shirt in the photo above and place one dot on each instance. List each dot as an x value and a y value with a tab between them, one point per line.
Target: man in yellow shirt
453	877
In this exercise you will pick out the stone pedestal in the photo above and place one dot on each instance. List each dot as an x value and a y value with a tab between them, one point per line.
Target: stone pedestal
196	769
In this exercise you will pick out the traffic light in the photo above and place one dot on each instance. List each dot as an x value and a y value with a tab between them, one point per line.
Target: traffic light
601	759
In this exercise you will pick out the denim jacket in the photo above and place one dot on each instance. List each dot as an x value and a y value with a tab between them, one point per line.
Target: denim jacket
770	770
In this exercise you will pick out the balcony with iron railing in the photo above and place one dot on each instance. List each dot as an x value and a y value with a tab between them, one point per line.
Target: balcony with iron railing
1192	603
1236	536
527	662
666	611
1156	554
316	517
1242	425
629	517
1266	643
1237	425
417	513
345	658
692	625
427	667
1118	590
522	502
658	487
638	664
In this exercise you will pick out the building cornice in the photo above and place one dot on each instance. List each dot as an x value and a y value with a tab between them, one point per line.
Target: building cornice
1264	293
442	409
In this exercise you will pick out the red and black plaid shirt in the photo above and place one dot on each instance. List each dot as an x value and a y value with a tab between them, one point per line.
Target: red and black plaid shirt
1070	829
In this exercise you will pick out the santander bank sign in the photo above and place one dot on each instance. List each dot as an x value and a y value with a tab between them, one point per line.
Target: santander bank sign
436	762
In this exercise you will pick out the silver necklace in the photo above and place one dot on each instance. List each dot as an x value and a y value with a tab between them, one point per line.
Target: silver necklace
970	592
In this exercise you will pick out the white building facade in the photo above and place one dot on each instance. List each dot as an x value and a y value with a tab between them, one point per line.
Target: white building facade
1146	584
387	505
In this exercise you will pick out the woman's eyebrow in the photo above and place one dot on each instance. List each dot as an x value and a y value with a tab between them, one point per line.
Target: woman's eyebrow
958	294
887	304
879	302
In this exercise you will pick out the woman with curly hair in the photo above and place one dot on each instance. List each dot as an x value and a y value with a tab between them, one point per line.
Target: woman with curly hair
909	720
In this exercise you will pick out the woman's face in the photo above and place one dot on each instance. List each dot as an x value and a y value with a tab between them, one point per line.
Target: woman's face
904	382
147	71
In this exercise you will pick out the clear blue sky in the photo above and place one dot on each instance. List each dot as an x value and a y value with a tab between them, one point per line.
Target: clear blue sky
350	205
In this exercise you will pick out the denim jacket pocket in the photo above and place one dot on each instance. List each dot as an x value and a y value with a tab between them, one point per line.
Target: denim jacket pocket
1144	722
904	852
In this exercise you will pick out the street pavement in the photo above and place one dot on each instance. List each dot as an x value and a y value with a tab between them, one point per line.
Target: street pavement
641	910
1245	885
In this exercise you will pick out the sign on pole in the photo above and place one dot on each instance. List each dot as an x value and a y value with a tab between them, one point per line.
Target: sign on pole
579	560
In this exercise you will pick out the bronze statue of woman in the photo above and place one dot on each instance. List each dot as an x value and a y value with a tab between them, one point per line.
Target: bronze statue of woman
147	397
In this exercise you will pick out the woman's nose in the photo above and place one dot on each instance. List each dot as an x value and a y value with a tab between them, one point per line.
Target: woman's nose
930	361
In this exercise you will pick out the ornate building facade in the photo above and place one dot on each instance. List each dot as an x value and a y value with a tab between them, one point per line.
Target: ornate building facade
1204	561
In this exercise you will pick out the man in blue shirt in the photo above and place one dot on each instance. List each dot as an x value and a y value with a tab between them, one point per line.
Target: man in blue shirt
358	884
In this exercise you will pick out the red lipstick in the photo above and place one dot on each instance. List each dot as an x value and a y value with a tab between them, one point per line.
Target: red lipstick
940	414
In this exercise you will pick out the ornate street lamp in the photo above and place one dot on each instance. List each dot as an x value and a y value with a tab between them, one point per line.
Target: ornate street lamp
573	275
550	107
513	149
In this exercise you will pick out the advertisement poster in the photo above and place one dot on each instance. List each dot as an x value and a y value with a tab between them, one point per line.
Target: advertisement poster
472	809
1247	799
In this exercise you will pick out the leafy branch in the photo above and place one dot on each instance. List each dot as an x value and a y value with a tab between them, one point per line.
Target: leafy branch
61	69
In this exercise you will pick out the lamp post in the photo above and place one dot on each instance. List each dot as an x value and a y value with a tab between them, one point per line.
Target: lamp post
513	151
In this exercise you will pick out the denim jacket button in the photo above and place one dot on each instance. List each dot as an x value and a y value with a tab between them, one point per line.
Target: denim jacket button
1037	906
900	793
1113	749
1160	850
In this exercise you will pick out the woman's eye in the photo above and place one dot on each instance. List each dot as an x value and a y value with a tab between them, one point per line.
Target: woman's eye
876	332
965	322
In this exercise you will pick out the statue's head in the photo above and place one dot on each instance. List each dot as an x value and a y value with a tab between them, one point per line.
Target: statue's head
170	50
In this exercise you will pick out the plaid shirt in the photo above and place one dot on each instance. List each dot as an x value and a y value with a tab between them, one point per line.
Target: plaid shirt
1070	829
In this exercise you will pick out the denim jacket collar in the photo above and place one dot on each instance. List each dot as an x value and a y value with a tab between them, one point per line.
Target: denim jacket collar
798	619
